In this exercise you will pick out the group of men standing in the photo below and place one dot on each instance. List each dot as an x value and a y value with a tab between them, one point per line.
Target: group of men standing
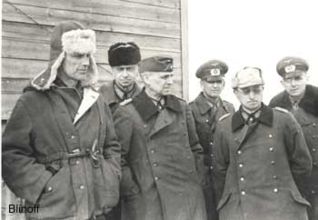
123	151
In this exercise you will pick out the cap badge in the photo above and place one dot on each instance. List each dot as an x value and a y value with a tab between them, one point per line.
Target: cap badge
215	72
290	68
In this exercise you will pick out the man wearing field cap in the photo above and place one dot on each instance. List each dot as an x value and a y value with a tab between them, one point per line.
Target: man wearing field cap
161	154
301	99
260	157
123	57
59	151
207	108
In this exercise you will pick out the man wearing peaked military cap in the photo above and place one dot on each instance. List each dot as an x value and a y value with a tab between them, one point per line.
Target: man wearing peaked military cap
207	108
260	157
123	57
161	154
301	99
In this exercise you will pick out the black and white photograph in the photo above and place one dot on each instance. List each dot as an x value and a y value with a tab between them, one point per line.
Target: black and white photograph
159	110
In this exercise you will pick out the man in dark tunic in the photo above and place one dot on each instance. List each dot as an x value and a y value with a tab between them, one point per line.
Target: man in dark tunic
207	108
301	99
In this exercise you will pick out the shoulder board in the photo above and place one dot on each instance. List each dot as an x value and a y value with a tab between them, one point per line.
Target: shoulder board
126	101
281	109
224	116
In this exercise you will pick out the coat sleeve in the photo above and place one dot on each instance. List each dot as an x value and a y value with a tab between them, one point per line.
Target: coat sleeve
125	132
112	147
221	160
20	170
196	148
298	153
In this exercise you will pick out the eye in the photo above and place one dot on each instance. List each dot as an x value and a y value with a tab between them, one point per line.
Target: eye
298	78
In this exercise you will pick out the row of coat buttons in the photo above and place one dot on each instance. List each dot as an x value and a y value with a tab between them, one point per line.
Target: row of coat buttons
50	188
275	190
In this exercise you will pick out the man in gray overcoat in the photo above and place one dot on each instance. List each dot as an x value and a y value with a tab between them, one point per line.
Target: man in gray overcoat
260	158
59	149
301	99
161	155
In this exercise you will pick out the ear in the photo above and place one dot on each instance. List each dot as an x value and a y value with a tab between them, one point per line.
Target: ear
202	84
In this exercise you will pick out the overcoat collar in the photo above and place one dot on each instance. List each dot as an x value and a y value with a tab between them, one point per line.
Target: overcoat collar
309	102
146	108
204	106
266	117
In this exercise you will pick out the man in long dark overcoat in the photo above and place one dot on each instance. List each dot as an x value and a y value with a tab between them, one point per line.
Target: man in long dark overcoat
301	99
207	108
59	149
260	158
161	154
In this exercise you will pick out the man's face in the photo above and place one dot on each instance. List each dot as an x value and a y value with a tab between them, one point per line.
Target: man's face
295	85
160	83
76	65
250	97
212	88
125	75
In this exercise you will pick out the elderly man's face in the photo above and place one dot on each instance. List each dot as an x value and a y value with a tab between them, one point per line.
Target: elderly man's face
125	75
250	97
159	83
295	85
76	65
212	88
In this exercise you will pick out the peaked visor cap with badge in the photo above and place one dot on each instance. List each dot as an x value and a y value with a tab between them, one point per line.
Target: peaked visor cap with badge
156	64
122	53
248	76
212	70
291	66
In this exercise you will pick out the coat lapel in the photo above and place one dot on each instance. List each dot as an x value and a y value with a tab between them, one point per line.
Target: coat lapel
89	98
164	119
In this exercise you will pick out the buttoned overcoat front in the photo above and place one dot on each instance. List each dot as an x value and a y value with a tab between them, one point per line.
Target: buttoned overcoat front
258	167
161	157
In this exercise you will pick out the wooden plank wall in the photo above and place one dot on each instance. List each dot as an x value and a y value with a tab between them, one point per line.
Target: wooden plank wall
155	25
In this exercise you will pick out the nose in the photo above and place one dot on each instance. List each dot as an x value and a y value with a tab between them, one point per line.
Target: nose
292	82
124	72
169	80
85	61
251	95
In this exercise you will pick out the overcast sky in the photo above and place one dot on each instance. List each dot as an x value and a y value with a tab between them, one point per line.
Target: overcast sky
252	33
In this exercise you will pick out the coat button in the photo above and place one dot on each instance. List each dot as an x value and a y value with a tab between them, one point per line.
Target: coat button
49	189
211	143
73	137
207	120
271	149
77	162
212	155
239	152
156	178
243	192
270	135
275	190
241	165
314	149
211	167
155	164
152	151
82	187
145	126
314	124
242	179
313	192
272	162
274	177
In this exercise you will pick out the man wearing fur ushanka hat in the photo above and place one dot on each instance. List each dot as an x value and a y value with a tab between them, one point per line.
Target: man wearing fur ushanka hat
123	58
59	150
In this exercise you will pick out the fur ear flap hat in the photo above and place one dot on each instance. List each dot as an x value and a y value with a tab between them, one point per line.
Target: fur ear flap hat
68	37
